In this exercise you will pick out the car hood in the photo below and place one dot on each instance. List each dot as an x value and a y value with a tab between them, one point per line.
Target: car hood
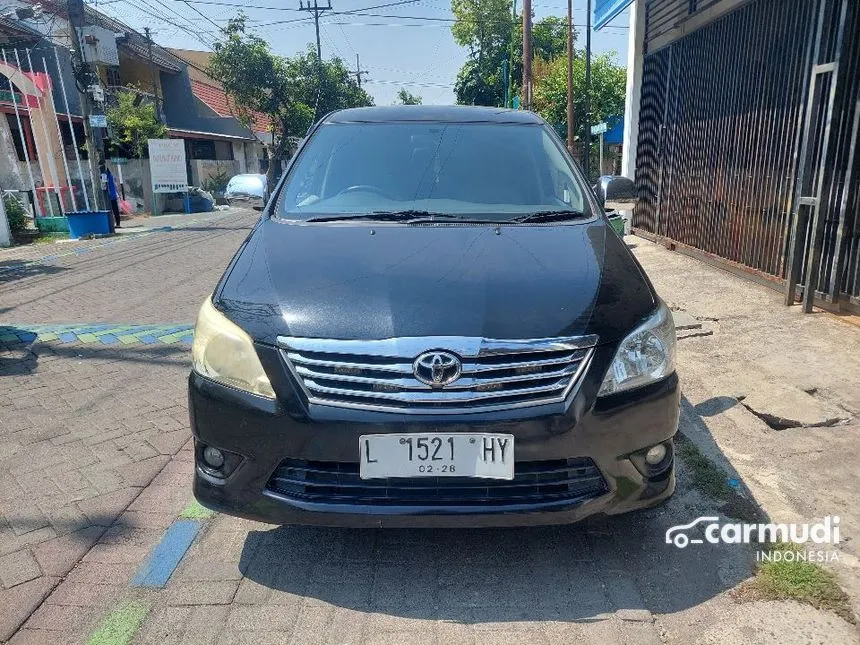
371	281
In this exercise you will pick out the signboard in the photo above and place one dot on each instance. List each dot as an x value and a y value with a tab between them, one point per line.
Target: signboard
167	166
600	128
606	10
99	45
118	160
516	103
98	120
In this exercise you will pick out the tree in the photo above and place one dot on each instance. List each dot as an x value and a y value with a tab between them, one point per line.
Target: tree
292	92
485	27
549	37
404	97
132	123
492	34
607	91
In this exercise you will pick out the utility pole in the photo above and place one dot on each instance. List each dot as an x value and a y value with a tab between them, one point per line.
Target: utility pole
358	71
95	141
509	62
587	138
570	129
527	54
152	73
317	11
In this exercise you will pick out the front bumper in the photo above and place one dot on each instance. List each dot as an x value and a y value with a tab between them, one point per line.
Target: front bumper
613	432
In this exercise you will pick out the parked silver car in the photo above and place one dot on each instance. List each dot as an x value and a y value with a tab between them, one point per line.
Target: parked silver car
247	190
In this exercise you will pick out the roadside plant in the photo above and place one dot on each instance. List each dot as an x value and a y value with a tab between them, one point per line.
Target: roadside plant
15	214
132	122
216	182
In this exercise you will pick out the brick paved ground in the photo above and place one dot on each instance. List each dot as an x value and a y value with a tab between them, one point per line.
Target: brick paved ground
84	428
95	464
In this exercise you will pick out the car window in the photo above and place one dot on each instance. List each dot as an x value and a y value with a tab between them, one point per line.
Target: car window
246	183
496	170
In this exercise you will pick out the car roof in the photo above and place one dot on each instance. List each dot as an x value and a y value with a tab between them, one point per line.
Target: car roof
432	113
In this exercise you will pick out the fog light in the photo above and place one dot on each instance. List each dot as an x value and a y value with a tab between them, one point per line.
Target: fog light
214	458
655	454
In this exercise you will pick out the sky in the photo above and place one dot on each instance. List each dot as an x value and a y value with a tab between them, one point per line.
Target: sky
404	44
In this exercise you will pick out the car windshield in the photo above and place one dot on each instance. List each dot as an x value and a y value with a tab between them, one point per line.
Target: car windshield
252	184
490	171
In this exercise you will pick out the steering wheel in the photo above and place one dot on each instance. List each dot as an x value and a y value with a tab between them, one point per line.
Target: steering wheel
367	188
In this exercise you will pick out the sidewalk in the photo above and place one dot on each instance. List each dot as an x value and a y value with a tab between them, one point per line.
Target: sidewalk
777	392
24	256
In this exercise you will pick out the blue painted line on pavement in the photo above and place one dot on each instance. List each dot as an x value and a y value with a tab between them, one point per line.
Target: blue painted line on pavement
165	557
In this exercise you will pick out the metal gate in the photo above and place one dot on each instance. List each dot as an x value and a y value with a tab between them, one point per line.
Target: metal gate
730	116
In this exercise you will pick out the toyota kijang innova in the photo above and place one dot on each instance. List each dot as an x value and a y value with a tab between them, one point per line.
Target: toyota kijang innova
433	324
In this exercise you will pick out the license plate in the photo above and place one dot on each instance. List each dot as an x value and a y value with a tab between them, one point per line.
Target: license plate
482	455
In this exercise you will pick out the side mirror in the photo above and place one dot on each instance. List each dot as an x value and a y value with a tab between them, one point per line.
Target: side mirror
615	193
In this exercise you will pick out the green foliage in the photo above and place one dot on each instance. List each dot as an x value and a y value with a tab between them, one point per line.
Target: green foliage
15	214
549	37
607	91
486	28
404	97
786	577
493	35
133	124
290	91
216	183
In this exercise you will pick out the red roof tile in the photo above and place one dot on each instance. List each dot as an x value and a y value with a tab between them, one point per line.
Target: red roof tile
219	102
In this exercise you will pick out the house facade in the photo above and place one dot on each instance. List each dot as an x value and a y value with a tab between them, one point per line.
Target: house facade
44	126
741	131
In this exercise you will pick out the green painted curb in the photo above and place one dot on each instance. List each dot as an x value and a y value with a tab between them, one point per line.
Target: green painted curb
120	626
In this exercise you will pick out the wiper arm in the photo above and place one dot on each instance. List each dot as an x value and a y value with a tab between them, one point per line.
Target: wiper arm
548	216
377	216
409	216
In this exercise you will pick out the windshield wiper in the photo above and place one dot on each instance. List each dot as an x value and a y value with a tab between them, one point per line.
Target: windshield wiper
548	216
378	216
411	216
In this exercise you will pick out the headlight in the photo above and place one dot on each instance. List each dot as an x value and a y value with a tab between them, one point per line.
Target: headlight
225	353
645	356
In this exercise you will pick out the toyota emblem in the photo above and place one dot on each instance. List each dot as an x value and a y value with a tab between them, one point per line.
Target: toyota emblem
437	369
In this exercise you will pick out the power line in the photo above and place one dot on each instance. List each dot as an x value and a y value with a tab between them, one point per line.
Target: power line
317	11
153	13
204	16
380	81
342	13
411	24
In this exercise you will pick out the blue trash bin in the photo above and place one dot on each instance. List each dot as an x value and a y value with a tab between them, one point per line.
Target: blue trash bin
83	223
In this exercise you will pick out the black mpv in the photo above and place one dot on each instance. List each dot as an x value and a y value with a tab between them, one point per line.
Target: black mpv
433	324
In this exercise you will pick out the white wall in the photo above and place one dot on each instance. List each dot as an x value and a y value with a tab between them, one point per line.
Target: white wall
635	56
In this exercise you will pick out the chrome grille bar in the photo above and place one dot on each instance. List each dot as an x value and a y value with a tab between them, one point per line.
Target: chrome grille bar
496	374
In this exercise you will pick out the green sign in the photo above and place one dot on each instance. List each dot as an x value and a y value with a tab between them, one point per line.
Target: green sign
118	160
516	103
600	128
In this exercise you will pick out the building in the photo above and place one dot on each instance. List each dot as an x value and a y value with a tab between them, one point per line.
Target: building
741	131
216	143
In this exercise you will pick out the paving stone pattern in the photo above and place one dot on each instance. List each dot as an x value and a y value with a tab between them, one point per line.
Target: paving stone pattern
93	408
97	334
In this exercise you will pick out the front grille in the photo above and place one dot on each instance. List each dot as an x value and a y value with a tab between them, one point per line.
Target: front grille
534	482
379	375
